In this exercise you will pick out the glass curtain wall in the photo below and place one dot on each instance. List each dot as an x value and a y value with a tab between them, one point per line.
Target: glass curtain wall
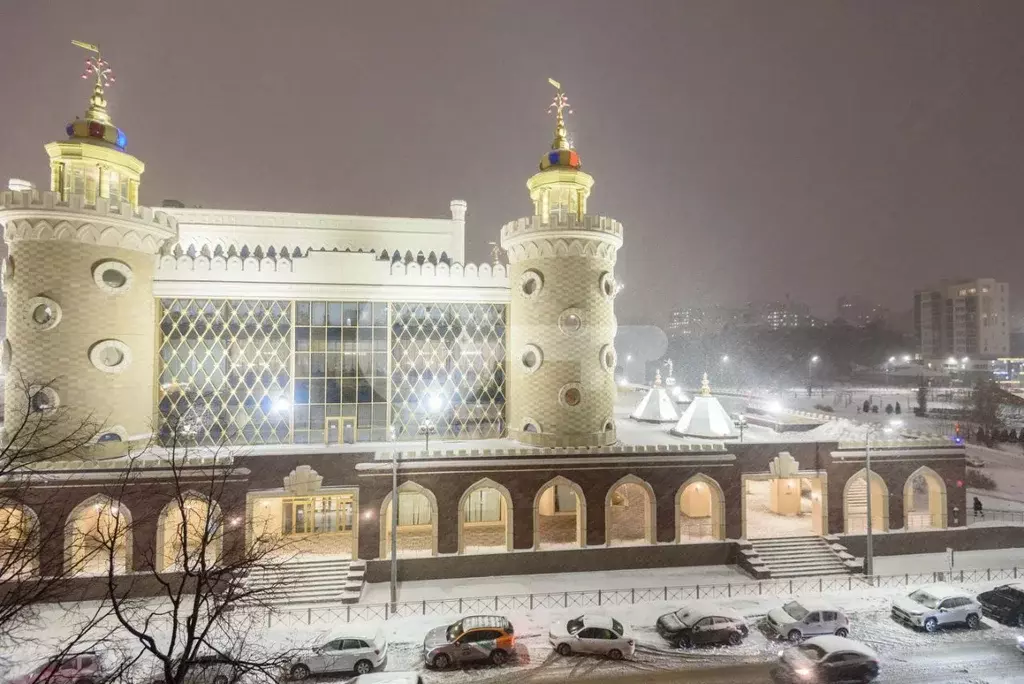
341	369
224	371
448	366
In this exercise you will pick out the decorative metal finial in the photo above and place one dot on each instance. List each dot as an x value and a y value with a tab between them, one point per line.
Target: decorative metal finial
705	386
98	69
495	253
558	105
657	377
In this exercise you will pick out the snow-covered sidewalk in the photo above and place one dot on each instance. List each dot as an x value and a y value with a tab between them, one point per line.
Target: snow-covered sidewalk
506	585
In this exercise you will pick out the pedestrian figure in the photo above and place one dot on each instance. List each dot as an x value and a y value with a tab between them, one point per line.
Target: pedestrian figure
978	512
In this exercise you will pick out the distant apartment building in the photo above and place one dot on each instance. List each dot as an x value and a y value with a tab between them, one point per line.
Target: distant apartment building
859	312
780	315
963	318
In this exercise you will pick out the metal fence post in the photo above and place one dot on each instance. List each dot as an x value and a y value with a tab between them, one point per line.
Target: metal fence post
424	606
632	596
820	589
269	615
790	586
460	604
565	599
309	615
698	591
386	611
598	597
531	601
495	604
729	589
348	613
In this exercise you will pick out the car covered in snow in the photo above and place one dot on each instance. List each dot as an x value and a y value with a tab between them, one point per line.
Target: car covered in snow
702	623
797	620
937	605
473	638
592	634
1004	604
83	668
826	659
352	650
388	678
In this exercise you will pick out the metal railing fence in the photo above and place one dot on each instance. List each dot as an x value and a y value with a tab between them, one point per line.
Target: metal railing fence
451	607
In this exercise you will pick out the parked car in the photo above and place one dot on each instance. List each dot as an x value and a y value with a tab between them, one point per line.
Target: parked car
83	668
206	669
592	634
702	623
473	638
388	678
352	650
799	619
937	605
827	659
1004	604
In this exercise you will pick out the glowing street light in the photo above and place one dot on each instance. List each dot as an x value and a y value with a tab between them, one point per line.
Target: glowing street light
906	358
725	358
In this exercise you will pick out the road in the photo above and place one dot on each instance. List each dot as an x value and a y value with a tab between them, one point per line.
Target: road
955	656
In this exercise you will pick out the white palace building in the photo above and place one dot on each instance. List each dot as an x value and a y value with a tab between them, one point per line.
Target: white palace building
316	346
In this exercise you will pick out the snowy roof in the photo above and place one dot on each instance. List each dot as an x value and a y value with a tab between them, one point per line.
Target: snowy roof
602	621
388	678
656	407
705	418
697	610
943	591
814	604
831	644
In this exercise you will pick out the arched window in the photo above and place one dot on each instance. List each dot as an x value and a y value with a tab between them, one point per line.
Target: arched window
485	518
98	534
700	510
559	515
417	522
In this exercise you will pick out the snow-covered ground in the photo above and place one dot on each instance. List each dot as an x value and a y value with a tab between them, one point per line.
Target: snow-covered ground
989	652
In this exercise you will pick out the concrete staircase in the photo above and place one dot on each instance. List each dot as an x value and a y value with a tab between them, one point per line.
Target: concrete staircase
788	557
309	579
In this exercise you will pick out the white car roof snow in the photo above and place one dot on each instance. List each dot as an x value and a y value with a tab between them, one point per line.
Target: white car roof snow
602	621
701	609
813	605
356	631
387	678
831	644
943	591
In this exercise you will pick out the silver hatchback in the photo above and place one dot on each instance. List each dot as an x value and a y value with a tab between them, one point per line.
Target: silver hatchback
797	620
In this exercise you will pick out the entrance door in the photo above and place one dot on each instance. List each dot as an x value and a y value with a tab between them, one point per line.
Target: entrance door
333	432
348	430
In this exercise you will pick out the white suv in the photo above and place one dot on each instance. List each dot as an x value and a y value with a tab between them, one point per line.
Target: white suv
351	651
937	605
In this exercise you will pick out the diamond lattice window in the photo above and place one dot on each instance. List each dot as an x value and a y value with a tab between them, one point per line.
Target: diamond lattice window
448	365
225	370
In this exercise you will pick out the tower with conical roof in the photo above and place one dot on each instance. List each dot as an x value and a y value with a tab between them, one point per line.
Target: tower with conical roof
562	315
79	280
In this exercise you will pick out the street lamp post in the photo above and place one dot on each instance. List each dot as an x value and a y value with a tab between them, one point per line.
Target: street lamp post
810	371
394	530
869	549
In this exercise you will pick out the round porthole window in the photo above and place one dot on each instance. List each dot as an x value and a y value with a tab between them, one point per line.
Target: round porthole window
530	425
570	321
531	358
42	399
531	283
114	433
609	425
43	313
608	357
570	395
114	277
110	356
607	284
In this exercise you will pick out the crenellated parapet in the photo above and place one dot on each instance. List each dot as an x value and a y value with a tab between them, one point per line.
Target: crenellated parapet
43	215
593	227
322	274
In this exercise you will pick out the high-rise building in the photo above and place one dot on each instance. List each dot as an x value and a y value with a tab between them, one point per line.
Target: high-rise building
963	318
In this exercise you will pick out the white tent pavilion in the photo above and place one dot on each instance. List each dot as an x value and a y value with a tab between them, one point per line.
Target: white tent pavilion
656	406
705	417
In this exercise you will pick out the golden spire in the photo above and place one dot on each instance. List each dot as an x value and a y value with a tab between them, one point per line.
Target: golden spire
561	102
657	378
705	386
99	69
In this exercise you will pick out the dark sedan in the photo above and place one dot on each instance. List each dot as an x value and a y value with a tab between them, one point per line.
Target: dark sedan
700	624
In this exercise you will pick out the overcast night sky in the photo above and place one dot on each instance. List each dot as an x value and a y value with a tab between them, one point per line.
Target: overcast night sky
751	149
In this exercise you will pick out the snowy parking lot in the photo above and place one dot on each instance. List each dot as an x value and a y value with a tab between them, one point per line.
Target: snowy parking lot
987	655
